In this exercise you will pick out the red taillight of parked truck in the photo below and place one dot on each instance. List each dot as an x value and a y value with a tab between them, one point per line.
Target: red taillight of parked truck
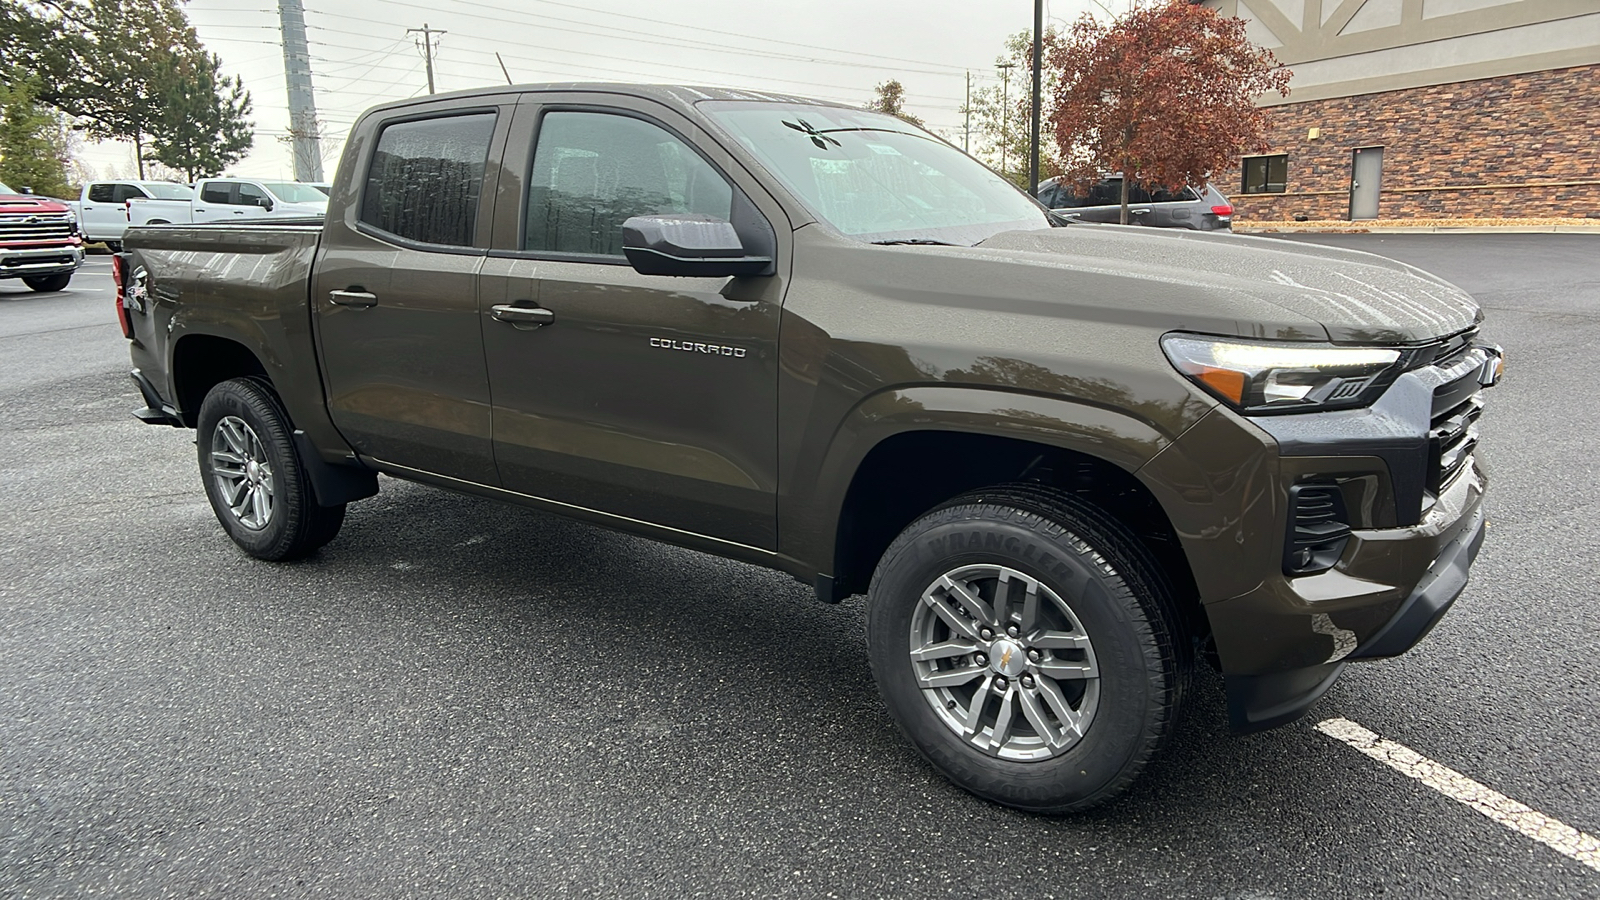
119	277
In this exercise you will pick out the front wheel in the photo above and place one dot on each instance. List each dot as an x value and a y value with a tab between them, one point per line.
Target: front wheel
258	489
1027	646
48	283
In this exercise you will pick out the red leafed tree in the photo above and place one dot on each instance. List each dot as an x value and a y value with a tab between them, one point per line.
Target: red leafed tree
1164	94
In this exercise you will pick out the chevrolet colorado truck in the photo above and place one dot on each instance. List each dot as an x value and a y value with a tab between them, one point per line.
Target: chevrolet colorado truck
39	241
1065	463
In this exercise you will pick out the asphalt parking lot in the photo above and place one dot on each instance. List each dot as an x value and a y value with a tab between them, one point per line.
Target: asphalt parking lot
461	699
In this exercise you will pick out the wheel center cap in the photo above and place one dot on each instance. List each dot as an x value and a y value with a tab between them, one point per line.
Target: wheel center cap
252	470
1007	657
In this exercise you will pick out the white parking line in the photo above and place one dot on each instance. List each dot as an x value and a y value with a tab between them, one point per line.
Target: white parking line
1557	835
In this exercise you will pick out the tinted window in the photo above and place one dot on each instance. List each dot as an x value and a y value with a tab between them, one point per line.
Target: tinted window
426	179
1162	195
593	171
250	195
1266	174
102	193
212	192
125	192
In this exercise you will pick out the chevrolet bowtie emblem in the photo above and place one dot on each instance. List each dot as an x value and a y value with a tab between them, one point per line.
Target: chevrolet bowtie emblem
1005	658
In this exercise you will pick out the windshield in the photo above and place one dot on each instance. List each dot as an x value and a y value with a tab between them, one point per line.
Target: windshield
292	192
877	177
163	190
4	189
322	186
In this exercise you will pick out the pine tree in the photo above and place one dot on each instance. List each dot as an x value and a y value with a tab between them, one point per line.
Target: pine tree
33	146
202	125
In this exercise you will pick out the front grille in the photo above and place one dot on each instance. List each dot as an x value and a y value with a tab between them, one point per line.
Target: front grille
35	227
1319	528
1457	404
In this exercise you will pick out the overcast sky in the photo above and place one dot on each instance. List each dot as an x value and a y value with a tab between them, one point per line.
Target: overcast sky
832	49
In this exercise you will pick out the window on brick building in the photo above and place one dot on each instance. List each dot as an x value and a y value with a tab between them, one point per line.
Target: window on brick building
1265	174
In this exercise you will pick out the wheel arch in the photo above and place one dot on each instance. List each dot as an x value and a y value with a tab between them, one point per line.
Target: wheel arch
902	453
202	361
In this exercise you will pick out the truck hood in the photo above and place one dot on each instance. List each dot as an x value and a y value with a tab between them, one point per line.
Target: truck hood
26	203
1269	287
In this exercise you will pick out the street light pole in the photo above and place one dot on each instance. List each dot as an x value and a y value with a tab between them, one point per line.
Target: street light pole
1038	59
1005	110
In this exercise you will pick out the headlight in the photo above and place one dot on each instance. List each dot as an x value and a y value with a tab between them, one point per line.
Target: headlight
1283	377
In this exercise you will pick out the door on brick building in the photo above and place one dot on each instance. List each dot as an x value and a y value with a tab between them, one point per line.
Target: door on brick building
1366	179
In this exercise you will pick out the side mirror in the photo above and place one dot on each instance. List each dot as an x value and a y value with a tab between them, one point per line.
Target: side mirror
265	203
689	244
25	189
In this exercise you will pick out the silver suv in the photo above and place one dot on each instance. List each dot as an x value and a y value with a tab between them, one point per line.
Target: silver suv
1202	209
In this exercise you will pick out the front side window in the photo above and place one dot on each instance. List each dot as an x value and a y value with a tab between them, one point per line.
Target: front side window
877	177
126	192
250	195
1266	174
426	179
594	171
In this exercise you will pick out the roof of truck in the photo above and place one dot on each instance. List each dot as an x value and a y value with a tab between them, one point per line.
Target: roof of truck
678	95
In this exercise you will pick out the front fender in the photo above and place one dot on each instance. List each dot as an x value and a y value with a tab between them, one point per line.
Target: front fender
1115	437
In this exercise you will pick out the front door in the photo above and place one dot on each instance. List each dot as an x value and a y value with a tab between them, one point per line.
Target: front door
396	297
1366	180
643	396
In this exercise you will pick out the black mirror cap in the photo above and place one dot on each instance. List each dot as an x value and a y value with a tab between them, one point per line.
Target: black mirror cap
688	245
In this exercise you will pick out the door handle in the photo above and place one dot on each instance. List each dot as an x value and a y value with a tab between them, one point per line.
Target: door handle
360	299
1139	212
238	212
522	315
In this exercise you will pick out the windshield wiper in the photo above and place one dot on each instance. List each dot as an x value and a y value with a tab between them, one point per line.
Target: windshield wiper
927	241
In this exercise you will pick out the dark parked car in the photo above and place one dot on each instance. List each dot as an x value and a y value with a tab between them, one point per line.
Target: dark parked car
1066	463
1203	208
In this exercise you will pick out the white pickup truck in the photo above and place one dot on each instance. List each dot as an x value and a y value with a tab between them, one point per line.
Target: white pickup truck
102	207
231	199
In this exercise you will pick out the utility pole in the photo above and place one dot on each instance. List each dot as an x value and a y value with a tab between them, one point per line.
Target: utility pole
427	47
302	104
966	122
1005	110
1038	59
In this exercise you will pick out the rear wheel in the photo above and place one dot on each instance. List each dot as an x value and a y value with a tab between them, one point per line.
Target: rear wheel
1026	644
48	283
252	474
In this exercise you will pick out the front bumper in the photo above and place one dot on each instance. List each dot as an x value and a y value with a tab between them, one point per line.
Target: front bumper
34	261
1411	486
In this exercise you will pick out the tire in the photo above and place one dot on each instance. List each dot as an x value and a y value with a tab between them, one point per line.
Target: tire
1093	683
253	477
48	283
113	246
158	222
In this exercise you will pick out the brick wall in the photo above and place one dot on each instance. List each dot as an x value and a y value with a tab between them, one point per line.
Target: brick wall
1469	149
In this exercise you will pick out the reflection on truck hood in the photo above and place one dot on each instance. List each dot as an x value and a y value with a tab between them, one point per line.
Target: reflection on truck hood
1355	297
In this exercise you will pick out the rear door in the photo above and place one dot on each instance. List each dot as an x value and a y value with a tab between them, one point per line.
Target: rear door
395	288
648	397
212	200
104	218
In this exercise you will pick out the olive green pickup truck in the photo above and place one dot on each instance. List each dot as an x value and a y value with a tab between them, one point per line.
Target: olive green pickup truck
1065	463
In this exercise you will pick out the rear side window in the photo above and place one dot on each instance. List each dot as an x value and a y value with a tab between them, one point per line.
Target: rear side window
427	177
213	192
102	192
